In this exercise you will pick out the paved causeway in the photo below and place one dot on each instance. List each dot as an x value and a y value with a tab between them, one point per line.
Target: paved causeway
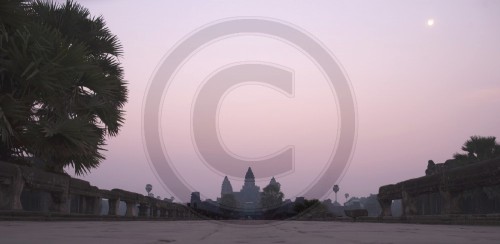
240	232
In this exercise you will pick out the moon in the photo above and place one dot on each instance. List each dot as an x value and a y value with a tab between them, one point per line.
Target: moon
430	22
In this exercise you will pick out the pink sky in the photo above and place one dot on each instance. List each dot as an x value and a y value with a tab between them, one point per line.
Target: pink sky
421	90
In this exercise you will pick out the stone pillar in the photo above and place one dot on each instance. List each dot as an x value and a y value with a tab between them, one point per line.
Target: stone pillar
84	207
131	212
11	187
154	210
60	202
90	204
163	212
385	204
143	210
451	202
409	204
97	206
114	206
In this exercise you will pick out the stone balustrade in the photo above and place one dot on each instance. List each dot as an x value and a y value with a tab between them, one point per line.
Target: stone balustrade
471	189
51	192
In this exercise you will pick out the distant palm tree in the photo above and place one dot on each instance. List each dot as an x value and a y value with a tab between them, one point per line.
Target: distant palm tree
336	189
62	88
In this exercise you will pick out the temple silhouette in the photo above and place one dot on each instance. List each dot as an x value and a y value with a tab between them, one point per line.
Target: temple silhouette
245	203
249	195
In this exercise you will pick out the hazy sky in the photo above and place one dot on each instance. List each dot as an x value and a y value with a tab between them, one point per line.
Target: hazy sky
420	90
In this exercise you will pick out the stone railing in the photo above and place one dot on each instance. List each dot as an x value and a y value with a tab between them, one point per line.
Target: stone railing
24	188
471	189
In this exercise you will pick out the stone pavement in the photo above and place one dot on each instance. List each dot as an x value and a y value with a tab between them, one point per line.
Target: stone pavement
240	232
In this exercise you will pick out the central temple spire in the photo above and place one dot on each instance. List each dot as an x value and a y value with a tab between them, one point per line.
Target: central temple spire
249	175
249	180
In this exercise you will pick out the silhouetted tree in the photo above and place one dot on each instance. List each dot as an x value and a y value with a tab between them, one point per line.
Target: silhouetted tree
272	197
228	205
311	208
300	207
61	84
479	148
371	204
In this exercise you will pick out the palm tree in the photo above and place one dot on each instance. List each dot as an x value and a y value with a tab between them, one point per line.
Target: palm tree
336	189
62	88
479	148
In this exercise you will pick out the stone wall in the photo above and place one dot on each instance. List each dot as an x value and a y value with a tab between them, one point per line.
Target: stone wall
471	189
26	189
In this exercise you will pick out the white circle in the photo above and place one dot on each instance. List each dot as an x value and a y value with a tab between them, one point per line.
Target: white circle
430	22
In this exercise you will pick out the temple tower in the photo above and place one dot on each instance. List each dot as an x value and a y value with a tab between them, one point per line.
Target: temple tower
226	187
250	193
249	181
